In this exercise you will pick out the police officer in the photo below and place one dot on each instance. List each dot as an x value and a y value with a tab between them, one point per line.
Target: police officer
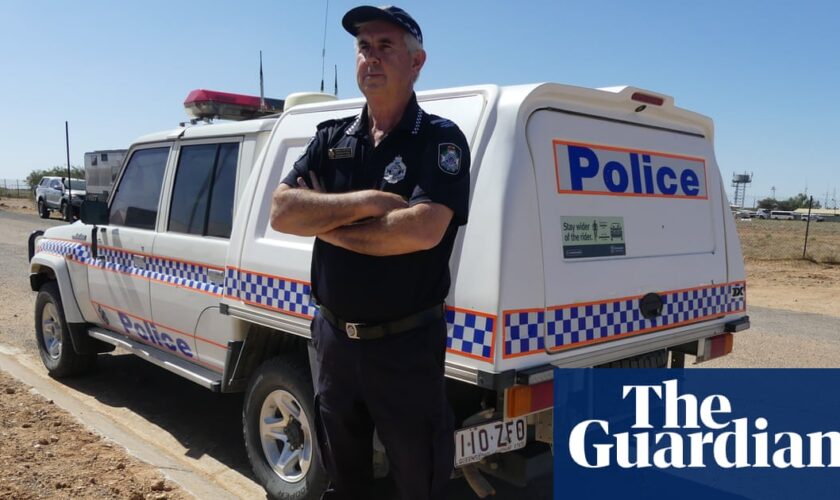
384	192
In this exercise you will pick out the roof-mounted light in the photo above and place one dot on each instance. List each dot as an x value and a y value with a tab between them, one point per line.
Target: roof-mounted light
207	104
647	98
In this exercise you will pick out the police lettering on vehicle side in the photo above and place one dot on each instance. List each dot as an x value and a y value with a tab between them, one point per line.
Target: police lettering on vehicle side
148	331
597	169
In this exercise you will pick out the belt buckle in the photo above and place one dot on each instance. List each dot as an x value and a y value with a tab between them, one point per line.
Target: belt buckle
352	330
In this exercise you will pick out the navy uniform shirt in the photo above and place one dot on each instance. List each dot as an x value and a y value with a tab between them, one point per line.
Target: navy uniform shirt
425	158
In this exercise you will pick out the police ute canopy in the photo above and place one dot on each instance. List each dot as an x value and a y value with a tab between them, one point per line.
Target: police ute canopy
599	235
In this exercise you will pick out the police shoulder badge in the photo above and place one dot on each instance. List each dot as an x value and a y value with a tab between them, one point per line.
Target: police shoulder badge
395	171
449	158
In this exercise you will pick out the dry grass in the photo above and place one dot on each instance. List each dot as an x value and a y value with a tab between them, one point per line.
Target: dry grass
784	240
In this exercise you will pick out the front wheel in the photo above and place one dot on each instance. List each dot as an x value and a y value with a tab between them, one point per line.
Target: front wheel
53	336
43	212
278	420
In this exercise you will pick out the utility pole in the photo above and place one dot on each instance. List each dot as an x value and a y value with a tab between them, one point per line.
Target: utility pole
807	226
69	184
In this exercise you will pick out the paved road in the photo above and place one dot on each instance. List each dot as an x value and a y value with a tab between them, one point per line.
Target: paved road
208	424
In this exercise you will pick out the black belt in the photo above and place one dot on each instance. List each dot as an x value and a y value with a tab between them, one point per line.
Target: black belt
365	331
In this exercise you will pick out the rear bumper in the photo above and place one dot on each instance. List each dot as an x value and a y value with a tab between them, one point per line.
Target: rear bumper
597	354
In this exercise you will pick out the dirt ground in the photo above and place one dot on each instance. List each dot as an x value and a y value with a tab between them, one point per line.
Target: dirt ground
20	205
46	453
779	278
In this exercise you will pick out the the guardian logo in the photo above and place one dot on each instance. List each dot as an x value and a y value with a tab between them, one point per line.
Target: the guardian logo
608	170
695	433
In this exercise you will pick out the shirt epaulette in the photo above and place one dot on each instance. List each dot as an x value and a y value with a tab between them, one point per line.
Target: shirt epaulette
438	122
335	121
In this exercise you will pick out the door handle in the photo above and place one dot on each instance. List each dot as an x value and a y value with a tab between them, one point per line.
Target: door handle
139	261
216	276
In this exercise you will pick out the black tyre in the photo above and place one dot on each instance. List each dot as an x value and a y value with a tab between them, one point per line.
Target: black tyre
43	212
278	420
655	359
53	336
66	212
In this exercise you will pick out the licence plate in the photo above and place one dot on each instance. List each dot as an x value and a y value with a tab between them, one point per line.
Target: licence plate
474	443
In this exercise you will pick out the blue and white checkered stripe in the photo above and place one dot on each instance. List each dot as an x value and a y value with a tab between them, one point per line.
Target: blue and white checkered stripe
522	332
232	282
737	297
566	326
65	248
180	273
470	334
276	293
177	269
169	271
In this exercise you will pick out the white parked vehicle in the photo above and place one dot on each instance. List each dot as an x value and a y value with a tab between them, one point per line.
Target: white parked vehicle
599	235
813	217
782	215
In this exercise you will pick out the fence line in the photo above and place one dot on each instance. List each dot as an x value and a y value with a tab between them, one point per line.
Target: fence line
14	188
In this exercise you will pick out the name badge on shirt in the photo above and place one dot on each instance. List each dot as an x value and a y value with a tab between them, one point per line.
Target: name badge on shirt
339	153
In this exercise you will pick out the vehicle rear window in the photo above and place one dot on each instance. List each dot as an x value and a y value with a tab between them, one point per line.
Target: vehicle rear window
202	197
135	202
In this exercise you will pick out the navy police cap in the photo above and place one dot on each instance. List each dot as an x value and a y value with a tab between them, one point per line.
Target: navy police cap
394	15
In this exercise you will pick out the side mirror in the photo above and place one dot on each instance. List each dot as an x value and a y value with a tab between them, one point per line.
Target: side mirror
94	212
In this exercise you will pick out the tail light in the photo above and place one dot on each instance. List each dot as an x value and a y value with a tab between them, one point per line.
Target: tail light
715	347
526	399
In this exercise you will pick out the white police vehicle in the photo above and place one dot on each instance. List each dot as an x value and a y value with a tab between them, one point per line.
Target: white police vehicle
599	235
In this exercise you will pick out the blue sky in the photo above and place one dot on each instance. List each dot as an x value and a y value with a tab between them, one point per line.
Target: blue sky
767	72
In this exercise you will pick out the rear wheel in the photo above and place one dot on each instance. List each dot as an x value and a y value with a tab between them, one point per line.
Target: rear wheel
279	425
66	211
53	336
43	212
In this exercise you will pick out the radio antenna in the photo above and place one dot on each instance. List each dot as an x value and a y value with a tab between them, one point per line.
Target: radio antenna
262	94
324	46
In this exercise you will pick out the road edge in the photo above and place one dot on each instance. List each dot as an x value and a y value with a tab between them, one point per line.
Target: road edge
172	467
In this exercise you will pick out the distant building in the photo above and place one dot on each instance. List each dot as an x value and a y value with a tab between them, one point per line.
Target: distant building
101	169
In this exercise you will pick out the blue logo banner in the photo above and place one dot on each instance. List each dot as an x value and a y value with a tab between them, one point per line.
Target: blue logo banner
697	433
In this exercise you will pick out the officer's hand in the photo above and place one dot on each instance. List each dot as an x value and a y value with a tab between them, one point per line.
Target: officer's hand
381	202
316	184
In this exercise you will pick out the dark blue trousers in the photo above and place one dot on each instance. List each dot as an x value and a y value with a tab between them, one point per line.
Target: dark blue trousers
396	385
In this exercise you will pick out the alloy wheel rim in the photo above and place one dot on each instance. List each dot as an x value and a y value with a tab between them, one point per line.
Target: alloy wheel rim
287	439
51	331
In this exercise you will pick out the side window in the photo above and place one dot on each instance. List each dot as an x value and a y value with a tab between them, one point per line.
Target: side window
55	184
220	217
202	197
136	198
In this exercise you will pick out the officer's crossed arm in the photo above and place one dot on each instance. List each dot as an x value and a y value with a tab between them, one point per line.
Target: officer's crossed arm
309	212
406	230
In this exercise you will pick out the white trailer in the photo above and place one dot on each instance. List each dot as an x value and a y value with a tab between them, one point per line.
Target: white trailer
101	169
